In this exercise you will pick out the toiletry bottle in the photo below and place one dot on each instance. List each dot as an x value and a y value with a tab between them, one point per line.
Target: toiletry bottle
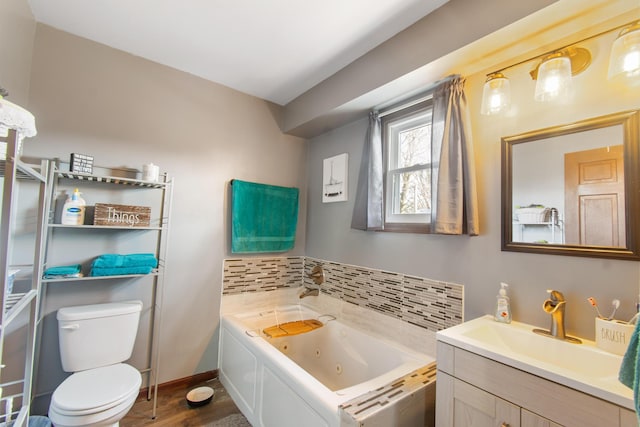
73	210
503	306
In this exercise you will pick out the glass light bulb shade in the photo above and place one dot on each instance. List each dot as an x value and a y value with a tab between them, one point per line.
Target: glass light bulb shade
625	54
496	94
554	79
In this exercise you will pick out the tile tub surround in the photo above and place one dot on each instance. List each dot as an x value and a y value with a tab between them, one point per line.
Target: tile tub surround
261	274
248	360
403	309
365	408
429	304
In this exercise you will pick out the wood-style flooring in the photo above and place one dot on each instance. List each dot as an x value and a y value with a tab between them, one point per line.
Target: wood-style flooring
173	409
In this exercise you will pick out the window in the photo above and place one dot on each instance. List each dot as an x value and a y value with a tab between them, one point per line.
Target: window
406	135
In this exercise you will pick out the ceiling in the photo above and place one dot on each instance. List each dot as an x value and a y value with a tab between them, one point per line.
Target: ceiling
273	49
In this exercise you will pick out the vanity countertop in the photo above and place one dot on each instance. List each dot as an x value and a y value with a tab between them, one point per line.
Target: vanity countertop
583	367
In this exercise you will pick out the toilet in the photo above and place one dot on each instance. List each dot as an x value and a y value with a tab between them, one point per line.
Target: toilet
94	341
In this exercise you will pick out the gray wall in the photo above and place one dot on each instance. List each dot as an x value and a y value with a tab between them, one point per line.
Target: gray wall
477	262
126	111
17	32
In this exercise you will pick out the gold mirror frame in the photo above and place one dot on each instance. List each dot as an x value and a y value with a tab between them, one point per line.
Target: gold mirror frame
630	122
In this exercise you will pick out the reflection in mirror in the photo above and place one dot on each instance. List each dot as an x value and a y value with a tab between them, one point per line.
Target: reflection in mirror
572	189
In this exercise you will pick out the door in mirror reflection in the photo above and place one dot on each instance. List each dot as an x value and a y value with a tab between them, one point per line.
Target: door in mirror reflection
594	197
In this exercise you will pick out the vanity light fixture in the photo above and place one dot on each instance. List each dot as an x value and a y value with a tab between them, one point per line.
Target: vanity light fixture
554	74
496	94
554	78
625	53
556	69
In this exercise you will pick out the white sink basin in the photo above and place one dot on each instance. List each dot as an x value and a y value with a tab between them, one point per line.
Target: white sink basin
581	366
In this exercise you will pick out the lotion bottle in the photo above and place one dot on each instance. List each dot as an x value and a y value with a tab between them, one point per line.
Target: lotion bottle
73	210
503	305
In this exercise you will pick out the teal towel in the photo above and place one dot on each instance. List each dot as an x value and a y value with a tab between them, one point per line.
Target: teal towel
130	260
263	217
119	271
629	374
63	270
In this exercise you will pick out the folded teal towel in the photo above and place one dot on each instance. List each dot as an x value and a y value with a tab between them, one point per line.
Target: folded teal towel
130	260
263	217
119	271
63	270
629	374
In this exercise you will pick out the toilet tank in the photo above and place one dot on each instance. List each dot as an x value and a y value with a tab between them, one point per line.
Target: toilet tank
97	335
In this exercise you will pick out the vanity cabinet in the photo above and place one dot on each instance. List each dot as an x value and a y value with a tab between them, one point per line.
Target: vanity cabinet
470	406
474	391
529	419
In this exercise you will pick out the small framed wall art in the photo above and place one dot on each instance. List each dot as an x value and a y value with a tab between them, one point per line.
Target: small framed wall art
334	178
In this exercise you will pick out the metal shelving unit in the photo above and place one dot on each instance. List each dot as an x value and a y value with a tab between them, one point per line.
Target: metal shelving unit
555	229
165	185
16	396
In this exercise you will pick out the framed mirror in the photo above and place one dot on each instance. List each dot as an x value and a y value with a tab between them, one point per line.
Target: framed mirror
574	189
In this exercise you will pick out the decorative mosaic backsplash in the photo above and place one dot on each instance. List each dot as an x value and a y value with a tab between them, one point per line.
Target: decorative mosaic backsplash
261	274
426	303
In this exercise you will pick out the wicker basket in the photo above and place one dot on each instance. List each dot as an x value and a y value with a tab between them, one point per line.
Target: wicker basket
532	215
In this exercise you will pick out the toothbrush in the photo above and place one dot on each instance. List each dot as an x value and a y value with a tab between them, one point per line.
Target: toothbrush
634	319
616	305
593	302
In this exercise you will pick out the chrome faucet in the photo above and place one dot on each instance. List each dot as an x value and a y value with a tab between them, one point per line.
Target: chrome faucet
317	275
309	292
555	305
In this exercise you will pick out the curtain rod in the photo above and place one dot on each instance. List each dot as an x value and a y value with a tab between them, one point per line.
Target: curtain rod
423	96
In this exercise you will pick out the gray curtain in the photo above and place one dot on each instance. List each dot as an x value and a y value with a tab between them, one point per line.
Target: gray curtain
367	213
454	206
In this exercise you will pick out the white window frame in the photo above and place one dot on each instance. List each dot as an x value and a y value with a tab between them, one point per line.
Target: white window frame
399	120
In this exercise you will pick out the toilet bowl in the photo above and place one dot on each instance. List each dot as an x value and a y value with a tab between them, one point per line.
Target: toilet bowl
95	397
95	340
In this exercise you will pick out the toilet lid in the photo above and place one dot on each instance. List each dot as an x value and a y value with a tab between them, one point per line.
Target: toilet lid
96	389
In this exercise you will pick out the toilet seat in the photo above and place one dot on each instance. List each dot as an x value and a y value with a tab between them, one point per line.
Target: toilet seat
96	390
107	418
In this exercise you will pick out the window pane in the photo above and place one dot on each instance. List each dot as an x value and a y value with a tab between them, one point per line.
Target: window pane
412	192
407	138
414	146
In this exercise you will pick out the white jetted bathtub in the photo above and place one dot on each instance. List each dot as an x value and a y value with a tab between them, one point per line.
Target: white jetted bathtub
301	380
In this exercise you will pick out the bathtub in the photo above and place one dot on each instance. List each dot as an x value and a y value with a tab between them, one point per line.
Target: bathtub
308	379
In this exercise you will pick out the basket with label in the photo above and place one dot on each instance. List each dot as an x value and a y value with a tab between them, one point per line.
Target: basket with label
533	215
121	215
613	335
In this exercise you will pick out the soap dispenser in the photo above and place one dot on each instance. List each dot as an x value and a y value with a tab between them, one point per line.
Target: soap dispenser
503	306
73	209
